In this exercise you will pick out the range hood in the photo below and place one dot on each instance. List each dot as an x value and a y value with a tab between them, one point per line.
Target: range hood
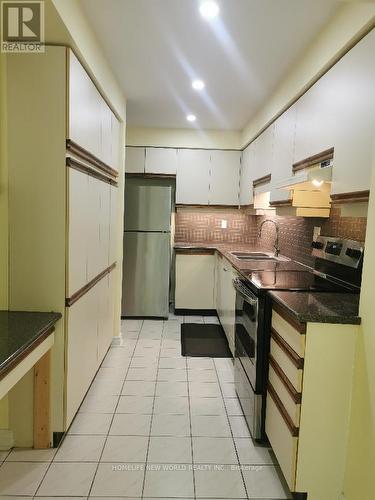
310	179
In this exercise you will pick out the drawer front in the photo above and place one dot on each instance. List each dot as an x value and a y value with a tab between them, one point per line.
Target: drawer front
293	408
283	443
293	373
289	333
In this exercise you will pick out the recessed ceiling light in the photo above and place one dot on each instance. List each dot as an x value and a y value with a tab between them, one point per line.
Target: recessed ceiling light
209	9
197	84
191	118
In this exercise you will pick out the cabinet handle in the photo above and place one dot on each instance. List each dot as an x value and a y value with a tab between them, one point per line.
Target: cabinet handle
289	422
292	355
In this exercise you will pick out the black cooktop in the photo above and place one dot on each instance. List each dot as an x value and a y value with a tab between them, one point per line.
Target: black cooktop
295	280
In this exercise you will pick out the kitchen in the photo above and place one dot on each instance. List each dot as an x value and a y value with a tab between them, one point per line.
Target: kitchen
207	256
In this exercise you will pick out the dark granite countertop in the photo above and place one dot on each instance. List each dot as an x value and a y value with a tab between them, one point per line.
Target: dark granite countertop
244	266
320	307
19	330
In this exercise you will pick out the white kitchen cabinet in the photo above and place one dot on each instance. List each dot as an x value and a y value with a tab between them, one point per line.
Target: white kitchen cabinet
116	141
194	286
161	161
248	168
78	222
226	298
104	225
82	342
135	160
113	224
264	156
94	261
193	177
283	157
316	121
91	120
351	83
224	177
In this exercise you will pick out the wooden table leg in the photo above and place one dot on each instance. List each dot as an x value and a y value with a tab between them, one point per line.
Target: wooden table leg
42	434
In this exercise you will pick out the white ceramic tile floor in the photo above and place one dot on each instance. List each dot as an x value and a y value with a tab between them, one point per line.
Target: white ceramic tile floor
154	425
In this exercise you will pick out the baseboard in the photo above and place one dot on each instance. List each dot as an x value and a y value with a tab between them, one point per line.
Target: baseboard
6	439
195	312
299	496
57	438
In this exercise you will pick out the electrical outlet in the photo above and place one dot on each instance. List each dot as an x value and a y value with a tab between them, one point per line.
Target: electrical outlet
224	224
316	233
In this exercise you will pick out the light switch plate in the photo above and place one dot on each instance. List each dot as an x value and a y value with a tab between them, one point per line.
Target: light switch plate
224	224
316	233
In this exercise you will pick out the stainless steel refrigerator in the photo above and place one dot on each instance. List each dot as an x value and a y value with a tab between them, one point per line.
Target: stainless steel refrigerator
147	248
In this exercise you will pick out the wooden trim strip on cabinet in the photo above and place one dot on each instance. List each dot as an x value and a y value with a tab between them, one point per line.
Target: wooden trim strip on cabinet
75	148
295	395
281	203
300	327
142	175
289	422
23	354
81	167
354	197
195	251
69	301
313	160
284	346
262	180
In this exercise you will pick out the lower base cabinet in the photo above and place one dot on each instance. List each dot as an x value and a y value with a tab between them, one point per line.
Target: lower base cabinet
195	277
204	281
89	334
309	402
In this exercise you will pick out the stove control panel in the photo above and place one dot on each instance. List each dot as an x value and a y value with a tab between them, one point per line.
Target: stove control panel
346	252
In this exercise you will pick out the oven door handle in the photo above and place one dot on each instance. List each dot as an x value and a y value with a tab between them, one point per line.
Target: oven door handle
251	299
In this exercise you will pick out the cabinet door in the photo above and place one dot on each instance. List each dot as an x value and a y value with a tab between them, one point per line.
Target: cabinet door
316	121
78	217
229	303
113	225
104	224
94	260
161	161
105	315
85	105
193	177
283	156
81	350
106	133
264	157
351	82
224	179
135	160
194	281
248	167
116	143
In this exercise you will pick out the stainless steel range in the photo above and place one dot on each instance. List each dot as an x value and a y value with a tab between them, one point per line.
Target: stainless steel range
338	268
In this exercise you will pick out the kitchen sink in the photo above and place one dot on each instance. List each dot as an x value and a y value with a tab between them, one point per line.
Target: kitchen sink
257	256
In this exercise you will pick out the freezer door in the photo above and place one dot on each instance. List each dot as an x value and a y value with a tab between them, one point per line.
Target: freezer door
147	208
146	274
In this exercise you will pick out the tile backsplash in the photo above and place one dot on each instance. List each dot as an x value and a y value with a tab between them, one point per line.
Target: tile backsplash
296	233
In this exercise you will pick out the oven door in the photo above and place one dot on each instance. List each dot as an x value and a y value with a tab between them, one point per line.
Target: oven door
246	333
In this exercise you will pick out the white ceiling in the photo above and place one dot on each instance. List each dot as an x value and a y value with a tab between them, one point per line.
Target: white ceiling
156	47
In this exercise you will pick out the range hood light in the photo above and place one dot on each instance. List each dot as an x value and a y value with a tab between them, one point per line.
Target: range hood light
317	182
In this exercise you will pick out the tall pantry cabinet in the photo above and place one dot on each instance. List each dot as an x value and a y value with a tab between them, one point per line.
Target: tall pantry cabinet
65	151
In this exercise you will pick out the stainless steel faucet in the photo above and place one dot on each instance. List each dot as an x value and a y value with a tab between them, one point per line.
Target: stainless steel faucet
277	239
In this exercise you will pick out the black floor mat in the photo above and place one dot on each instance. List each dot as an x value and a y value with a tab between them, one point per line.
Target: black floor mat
204	340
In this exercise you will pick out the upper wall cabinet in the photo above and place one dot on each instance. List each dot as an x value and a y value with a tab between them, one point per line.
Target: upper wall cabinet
224	178
135	160
264	157
283	152
193	177
352	84
91	122
161	161
247	174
